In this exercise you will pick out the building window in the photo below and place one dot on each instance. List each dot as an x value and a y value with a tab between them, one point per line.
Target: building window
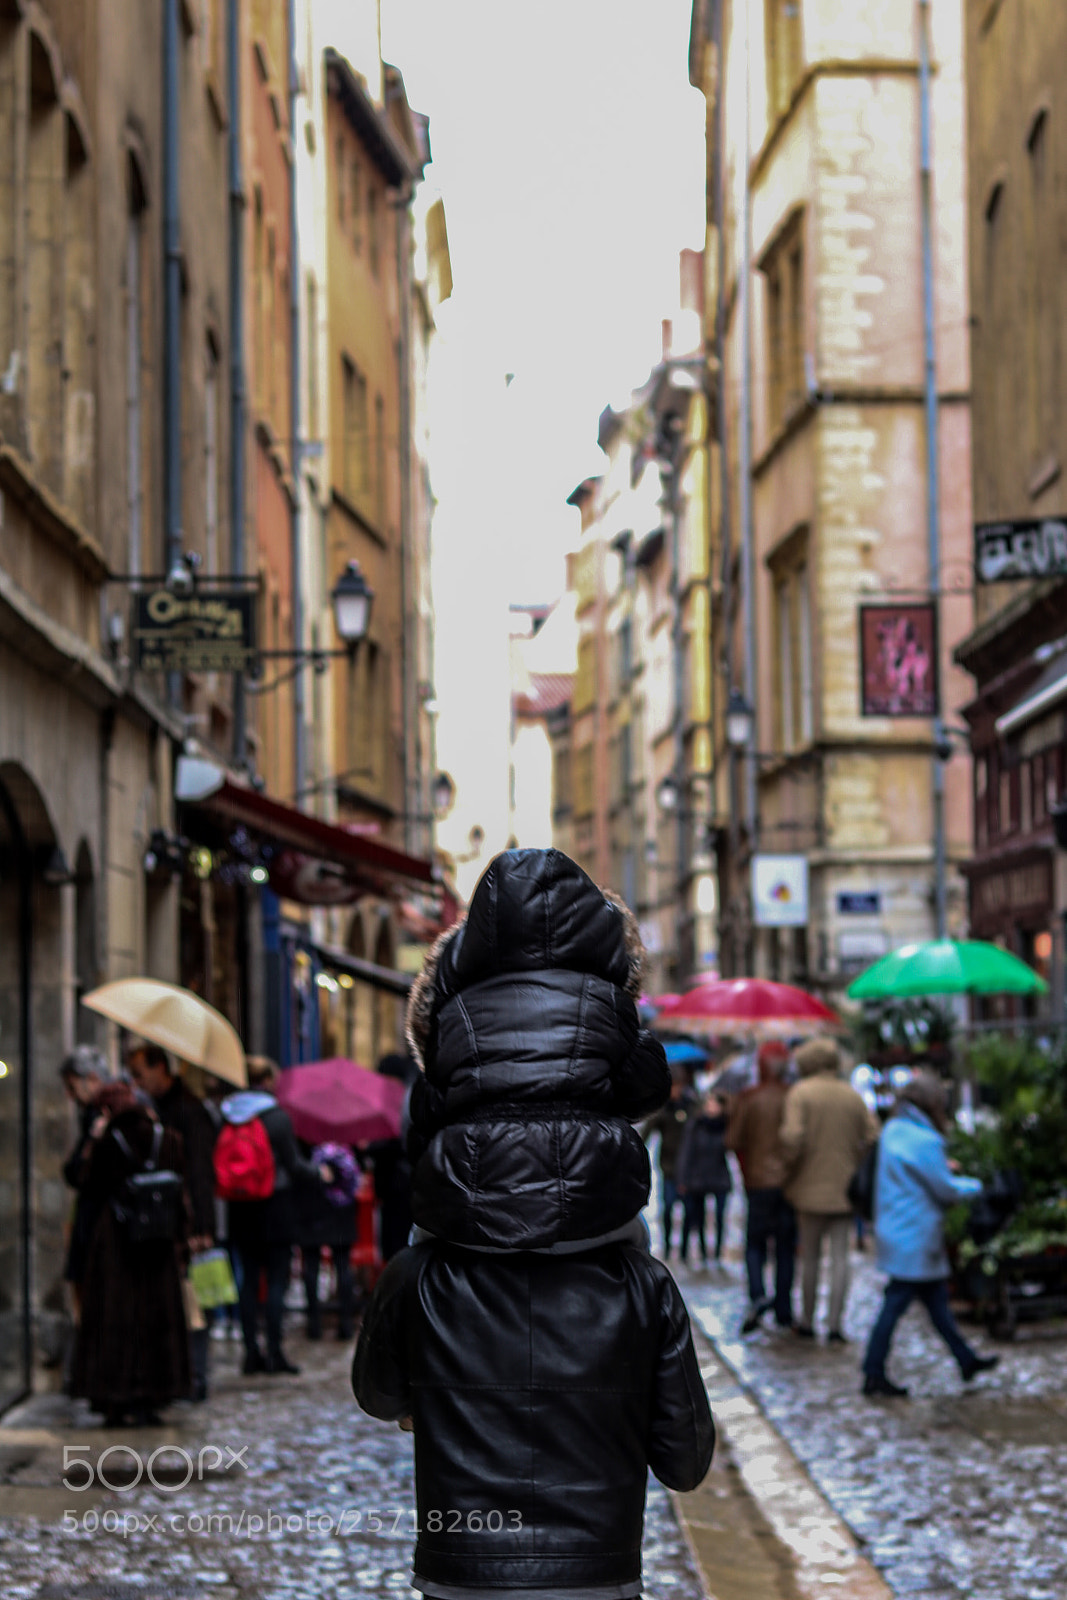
1042	263
134	356
1025	798
783	271
784	54
626	651
981	801
211	461
1004	818
783	607
271	315
355	189
355	471
258	336
380	485
374	243
794	712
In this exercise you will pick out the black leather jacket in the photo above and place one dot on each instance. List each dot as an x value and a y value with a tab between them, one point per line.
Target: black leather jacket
542	1385
542	1388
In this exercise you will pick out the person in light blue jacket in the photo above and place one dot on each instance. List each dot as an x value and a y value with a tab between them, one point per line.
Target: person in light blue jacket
914	1187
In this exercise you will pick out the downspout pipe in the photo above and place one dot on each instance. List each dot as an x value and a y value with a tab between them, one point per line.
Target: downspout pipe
297	597
933	484
172	295
413	806
725	484
748	557
238	396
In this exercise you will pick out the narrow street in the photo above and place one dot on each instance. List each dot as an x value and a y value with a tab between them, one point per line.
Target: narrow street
318	1504
954	1494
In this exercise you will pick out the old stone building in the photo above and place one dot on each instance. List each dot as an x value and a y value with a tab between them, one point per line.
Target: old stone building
113	307
1016	155
846	386
638	809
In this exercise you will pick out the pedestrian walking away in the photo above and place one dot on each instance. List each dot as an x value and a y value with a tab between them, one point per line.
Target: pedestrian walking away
703	1170
914	1187
177	1107
826	1127
754	1135
326	1221
265	1158
541	1355
670	1123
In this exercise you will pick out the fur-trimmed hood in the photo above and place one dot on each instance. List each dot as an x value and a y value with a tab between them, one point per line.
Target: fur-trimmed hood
512	929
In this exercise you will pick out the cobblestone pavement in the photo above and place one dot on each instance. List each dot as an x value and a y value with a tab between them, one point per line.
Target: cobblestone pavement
955	1493
321	1471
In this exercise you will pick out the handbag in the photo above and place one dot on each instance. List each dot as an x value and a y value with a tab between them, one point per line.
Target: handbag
860	1191
149	1206
212	1279
195	1320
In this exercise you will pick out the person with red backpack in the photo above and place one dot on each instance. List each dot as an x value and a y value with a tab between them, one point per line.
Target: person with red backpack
258	1167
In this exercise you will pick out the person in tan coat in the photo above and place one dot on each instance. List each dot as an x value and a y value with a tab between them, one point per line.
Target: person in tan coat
825	1130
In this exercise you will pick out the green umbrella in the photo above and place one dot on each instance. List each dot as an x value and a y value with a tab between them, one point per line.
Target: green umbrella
946	966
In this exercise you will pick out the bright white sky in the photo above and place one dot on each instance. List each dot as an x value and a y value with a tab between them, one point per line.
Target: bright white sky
568	146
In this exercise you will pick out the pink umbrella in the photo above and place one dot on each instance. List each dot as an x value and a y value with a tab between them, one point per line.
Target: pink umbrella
340	1101
740	1005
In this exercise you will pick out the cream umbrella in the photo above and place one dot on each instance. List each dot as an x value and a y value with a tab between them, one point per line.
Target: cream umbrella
175	1018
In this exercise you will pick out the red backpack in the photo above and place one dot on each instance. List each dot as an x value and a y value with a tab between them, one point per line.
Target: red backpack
244	1162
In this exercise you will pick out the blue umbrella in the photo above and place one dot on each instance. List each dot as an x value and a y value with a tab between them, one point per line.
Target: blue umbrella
682	1052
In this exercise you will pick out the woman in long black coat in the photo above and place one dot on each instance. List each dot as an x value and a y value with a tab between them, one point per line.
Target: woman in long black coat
702	1170
132	1351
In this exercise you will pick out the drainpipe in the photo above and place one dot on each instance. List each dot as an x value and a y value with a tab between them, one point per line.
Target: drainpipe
748	559
748	570
725	485
933	488
172	295
237	367
296	446
413	807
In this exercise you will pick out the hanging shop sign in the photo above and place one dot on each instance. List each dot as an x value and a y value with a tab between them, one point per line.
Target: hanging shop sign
208	631
780	891
898	660
1025	549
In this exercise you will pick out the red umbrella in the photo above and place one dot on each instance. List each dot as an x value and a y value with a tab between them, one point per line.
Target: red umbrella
341	1101
738	1005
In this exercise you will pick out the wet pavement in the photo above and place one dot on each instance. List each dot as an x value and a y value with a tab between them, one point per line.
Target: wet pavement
955	1493
295	1494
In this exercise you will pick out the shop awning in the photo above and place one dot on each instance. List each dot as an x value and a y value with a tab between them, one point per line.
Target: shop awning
366	862
1049	690
369	972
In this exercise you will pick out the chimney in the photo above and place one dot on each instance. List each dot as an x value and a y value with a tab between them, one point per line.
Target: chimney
666	334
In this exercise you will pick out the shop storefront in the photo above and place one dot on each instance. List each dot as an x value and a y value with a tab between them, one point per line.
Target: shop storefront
1018	723
272	871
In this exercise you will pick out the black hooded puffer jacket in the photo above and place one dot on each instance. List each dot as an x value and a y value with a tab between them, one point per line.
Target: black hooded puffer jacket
535	1063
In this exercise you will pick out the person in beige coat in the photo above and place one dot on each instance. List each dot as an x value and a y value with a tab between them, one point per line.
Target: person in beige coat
825	1130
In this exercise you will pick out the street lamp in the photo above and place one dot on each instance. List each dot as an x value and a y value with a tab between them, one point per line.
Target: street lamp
352	599
739	721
